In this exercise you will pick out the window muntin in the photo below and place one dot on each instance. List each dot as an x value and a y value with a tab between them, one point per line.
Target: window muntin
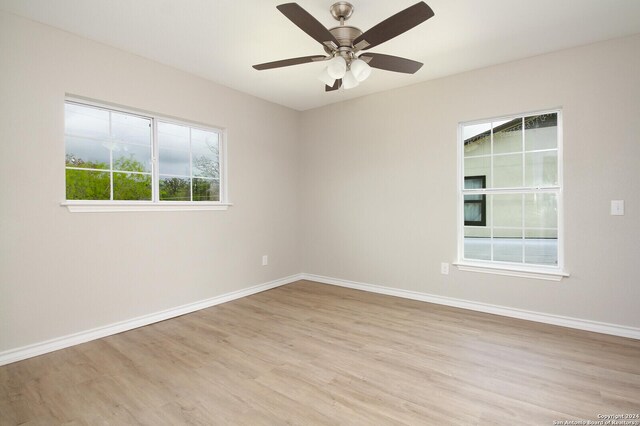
110	157
519	156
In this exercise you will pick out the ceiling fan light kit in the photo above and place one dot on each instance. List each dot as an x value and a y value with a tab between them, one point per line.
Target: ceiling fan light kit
347	66
349	81
360	69
337	67
326	78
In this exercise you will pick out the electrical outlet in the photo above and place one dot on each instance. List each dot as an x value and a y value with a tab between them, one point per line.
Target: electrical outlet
444	268
265	260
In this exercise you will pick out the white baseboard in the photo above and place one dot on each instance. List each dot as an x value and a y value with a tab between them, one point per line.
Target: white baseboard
41	348
577	323
36	349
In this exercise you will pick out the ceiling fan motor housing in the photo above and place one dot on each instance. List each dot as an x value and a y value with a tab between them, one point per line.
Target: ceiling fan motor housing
345	35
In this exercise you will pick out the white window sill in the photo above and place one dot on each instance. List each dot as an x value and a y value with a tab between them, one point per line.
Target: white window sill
110	207
551	274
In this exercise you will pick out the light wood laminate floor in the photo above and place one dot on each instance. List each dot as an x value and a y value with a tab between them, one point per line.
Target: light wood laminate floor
308	353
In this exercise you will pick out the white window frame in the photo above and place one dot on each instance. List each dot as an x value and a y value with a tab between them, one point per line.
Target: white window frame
553	273
102	206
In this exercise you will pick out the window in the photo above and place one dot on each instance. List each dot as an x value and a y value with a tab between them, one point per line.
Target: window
120	158
511	193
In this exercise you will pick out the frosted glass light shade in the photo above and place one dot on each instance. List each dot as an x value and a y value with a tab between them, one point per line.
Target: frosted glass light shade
326	78
360	69
337	67
349	81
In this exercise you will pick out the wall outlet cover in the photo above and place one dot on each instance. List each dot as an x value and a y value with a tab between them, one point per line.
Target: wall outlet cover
617	207
444	268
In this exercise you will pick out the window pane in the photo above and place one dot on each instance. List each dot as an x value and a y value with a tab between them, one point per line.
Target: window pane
472	211
86	153
541	247
507	171
541	211
474	182
175	189
88	185
82	120
507	210
472	131
131	186
507	245
477	146
477	139
541	132
174	146
477	243
204	151
132	158
478	197
174	162
206	190
131	129
507	250
510	233
507	137
173	136
480	166
541	169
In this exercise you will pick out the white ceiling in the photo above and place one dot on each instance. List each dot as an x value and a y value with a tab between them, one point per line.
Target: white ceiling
221	39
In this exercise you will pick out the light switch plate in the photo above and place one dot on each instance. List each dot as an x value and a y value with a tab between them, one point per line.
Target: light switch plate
617	207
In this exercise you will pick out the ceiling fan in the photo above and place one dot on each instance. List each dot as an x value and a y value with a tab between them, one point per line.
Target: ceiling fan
342	44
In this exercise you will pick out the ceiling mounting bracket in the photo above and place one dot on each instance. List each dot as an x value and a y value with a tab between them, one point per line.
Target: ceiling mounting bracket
341	11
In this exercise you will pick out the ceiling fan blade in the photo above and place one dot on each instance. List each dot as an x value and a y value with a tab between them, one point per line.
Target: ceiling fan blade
394	26
307	23
289	62
391	63
335	86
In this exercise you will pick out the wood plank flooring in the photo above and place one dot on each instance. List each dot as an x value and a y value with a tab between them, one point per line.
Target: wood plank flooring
309	353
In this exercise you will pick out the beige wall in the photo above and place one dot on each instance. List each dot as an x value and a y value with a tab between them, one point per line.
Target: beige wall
379	182
64	272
